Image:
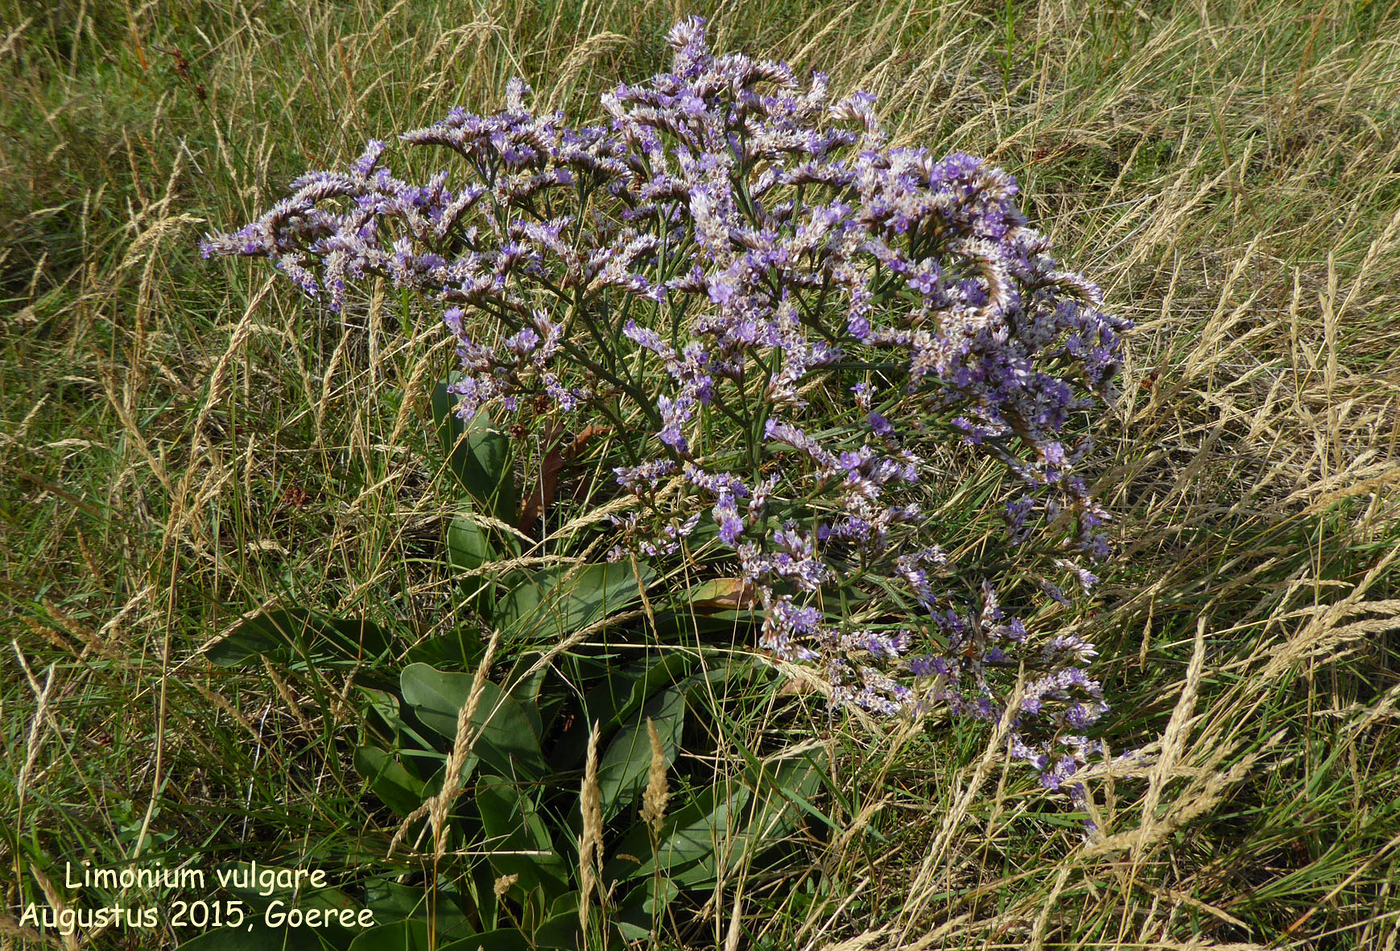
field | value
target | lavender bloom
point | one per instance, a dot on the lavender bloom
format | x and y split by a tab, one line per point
731	526
644	476
728	251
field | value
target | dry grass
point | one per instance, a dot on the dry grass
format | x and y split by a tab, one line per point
183	442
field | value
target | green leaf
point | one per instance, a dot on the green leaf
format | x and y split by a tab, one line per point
287	634
408	935
525	687
561	927
555	602
506	738
385	721
468	546
723	822
695	831
622	692
711	624
388	779
628	928
517	838
391	901
699	831
262	938
478	456
638	912
502	939
783	790
407	908
622	772
458	649
666	672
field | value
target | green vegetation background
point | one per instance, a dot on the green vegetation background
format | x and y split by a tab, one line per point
182	441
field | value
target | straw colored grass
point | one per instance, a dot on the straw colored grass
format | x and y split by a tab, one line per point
182	442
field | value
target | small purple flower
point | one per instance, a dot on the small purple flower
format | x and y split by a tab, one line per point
731	525
522	343
645	475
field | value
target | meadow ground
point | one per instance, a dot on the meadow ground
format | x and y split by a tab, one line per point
182	441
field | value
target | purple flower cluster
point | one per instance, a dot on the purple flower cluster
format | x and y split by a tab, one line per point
785	319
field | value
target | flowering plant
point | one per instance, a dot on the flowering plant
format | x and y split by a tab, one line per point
790	331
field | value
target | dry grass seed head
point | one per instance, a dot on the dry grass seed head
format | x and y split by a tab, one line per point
657	792
590	841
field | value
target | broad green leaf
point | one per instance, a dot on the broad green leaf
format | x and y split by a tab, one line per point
556	602
516	837
698	830
385	721
655	902
468	546
622	772
458	649
622	692
628	928
391	901
407	906
525	687
561	930
502	939
256	936
287	634
715	623
408	935
561	925
565	904
638	912
774	802
393	784
700	833
249	885
700	873
723	821
478	456
506	738
783	790
665	672
257	899
721	594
